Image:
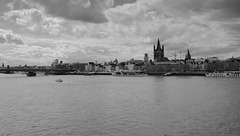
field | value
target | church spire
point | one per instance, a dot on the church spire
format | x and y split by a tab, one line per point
158	45
188	52
188	55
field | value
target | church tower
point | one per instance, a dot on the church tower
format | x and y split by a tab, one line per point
158	52
188	55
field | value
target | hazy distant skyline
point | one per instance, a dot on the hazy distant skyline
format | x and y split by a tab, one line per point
36	32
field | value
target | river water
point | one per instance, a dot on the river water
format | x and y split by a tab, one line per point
119	106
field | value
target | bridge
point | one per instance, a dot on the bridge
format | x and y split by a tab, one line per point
32	71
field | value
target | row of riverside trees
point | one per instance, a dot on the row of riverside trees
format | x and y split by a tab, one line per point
231	64
226	65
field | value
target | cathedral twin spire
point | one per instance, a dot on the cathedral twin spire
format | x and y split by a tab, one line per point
158	52
159	46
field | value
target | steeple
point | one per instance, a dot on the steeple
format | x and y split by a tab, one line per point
188	55
188	52
158	45
162	51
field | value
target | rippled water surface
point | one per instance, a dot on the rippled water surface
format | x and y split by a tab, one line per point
119	106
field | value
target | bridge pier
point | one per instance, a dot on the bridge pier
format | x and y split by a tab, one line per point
30	74
8	72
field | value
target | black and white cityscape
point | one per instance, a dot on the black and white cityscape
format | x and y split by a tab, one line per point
119	67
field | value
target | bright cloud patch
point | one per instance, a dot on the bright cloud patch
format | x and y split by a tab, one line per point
32	18
9	38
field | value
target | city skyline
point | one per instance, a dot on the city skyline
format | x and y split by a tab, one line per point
37	32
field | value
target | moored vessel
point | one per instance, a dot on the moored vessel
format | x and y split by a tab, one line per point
233	74
129	73
31	74
89	73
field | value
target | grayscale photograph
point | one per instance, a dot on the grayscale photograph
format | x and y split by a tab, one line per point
119	67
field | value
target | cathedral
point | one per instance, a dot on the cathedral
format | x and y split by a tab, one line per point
158	52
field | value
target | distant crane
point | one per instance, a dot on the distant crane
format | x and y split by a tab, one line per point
180	55
175	55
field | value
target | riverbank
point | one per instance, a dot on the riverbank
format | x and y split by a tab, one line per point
185	74
149	73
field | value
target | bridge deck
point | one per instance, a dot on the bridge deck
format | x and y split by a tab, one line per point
36	70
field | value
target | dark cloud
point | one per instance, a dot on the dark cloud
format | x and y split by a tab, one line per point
19	4
233	27
3	6
122	2
36	17
229	8
181	46
217	50
2	39
226	9
83	10
185	5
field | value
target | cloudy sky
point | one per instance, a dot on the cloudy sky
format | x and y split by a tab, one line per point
35	32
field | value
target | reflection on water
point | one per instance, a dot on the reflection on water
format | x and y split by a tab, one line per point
108	105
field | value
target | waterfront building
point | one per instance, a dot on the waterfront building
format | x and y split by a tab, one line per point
117	68
99	68
55	63
146	59
115	61
135	64
133	61
90	67
63	66
130	67
213	59
108	68
199	64
80	67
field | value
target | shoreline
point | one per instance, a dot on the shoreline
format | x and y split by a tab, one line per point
149	73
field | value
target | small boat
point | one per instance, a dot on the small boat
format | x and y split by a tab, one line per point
129	73
89	73
59	80
31	74
168	74
233	74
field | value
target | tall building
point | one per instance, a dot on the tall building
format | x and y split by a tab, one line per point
188	55
158	52
146	58
55	63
